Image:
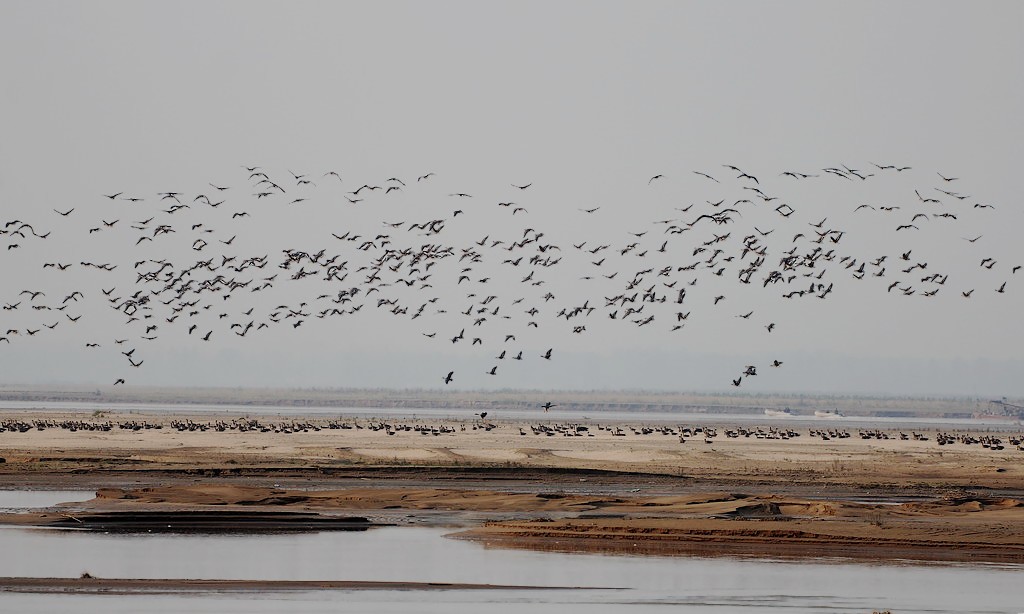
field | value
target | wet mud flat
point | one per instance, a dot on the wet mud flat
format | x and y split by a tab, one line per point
964	528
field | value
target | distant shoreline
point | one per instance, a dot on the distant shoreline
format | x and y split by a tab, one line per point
588	401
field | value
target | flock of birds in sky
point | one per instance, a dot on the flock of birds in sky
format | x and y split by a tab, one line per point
182	264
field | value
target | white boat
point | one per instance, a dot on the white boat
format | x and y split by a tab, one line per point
820	413
779	413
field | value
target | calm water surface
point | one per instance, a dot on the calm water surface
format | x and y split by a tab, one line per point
14	500
615	583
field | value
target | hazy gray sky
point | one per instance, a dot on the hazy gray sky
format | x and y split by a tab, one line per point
585	100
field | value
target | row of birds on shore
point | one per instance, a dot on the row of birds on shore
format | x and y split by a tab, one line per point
539	429
194	265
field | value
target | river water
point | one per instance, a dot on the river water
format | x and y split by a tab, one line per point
555	415
609	583
18	500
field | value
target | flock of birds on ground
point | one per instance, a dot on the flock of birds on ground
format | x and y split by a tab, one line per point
552	429
181	264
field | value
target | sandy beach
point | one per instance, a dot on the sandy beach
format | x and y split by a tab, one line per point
760	489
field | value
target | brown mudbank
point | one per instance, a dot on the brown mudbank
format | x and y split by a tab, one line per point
209	521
